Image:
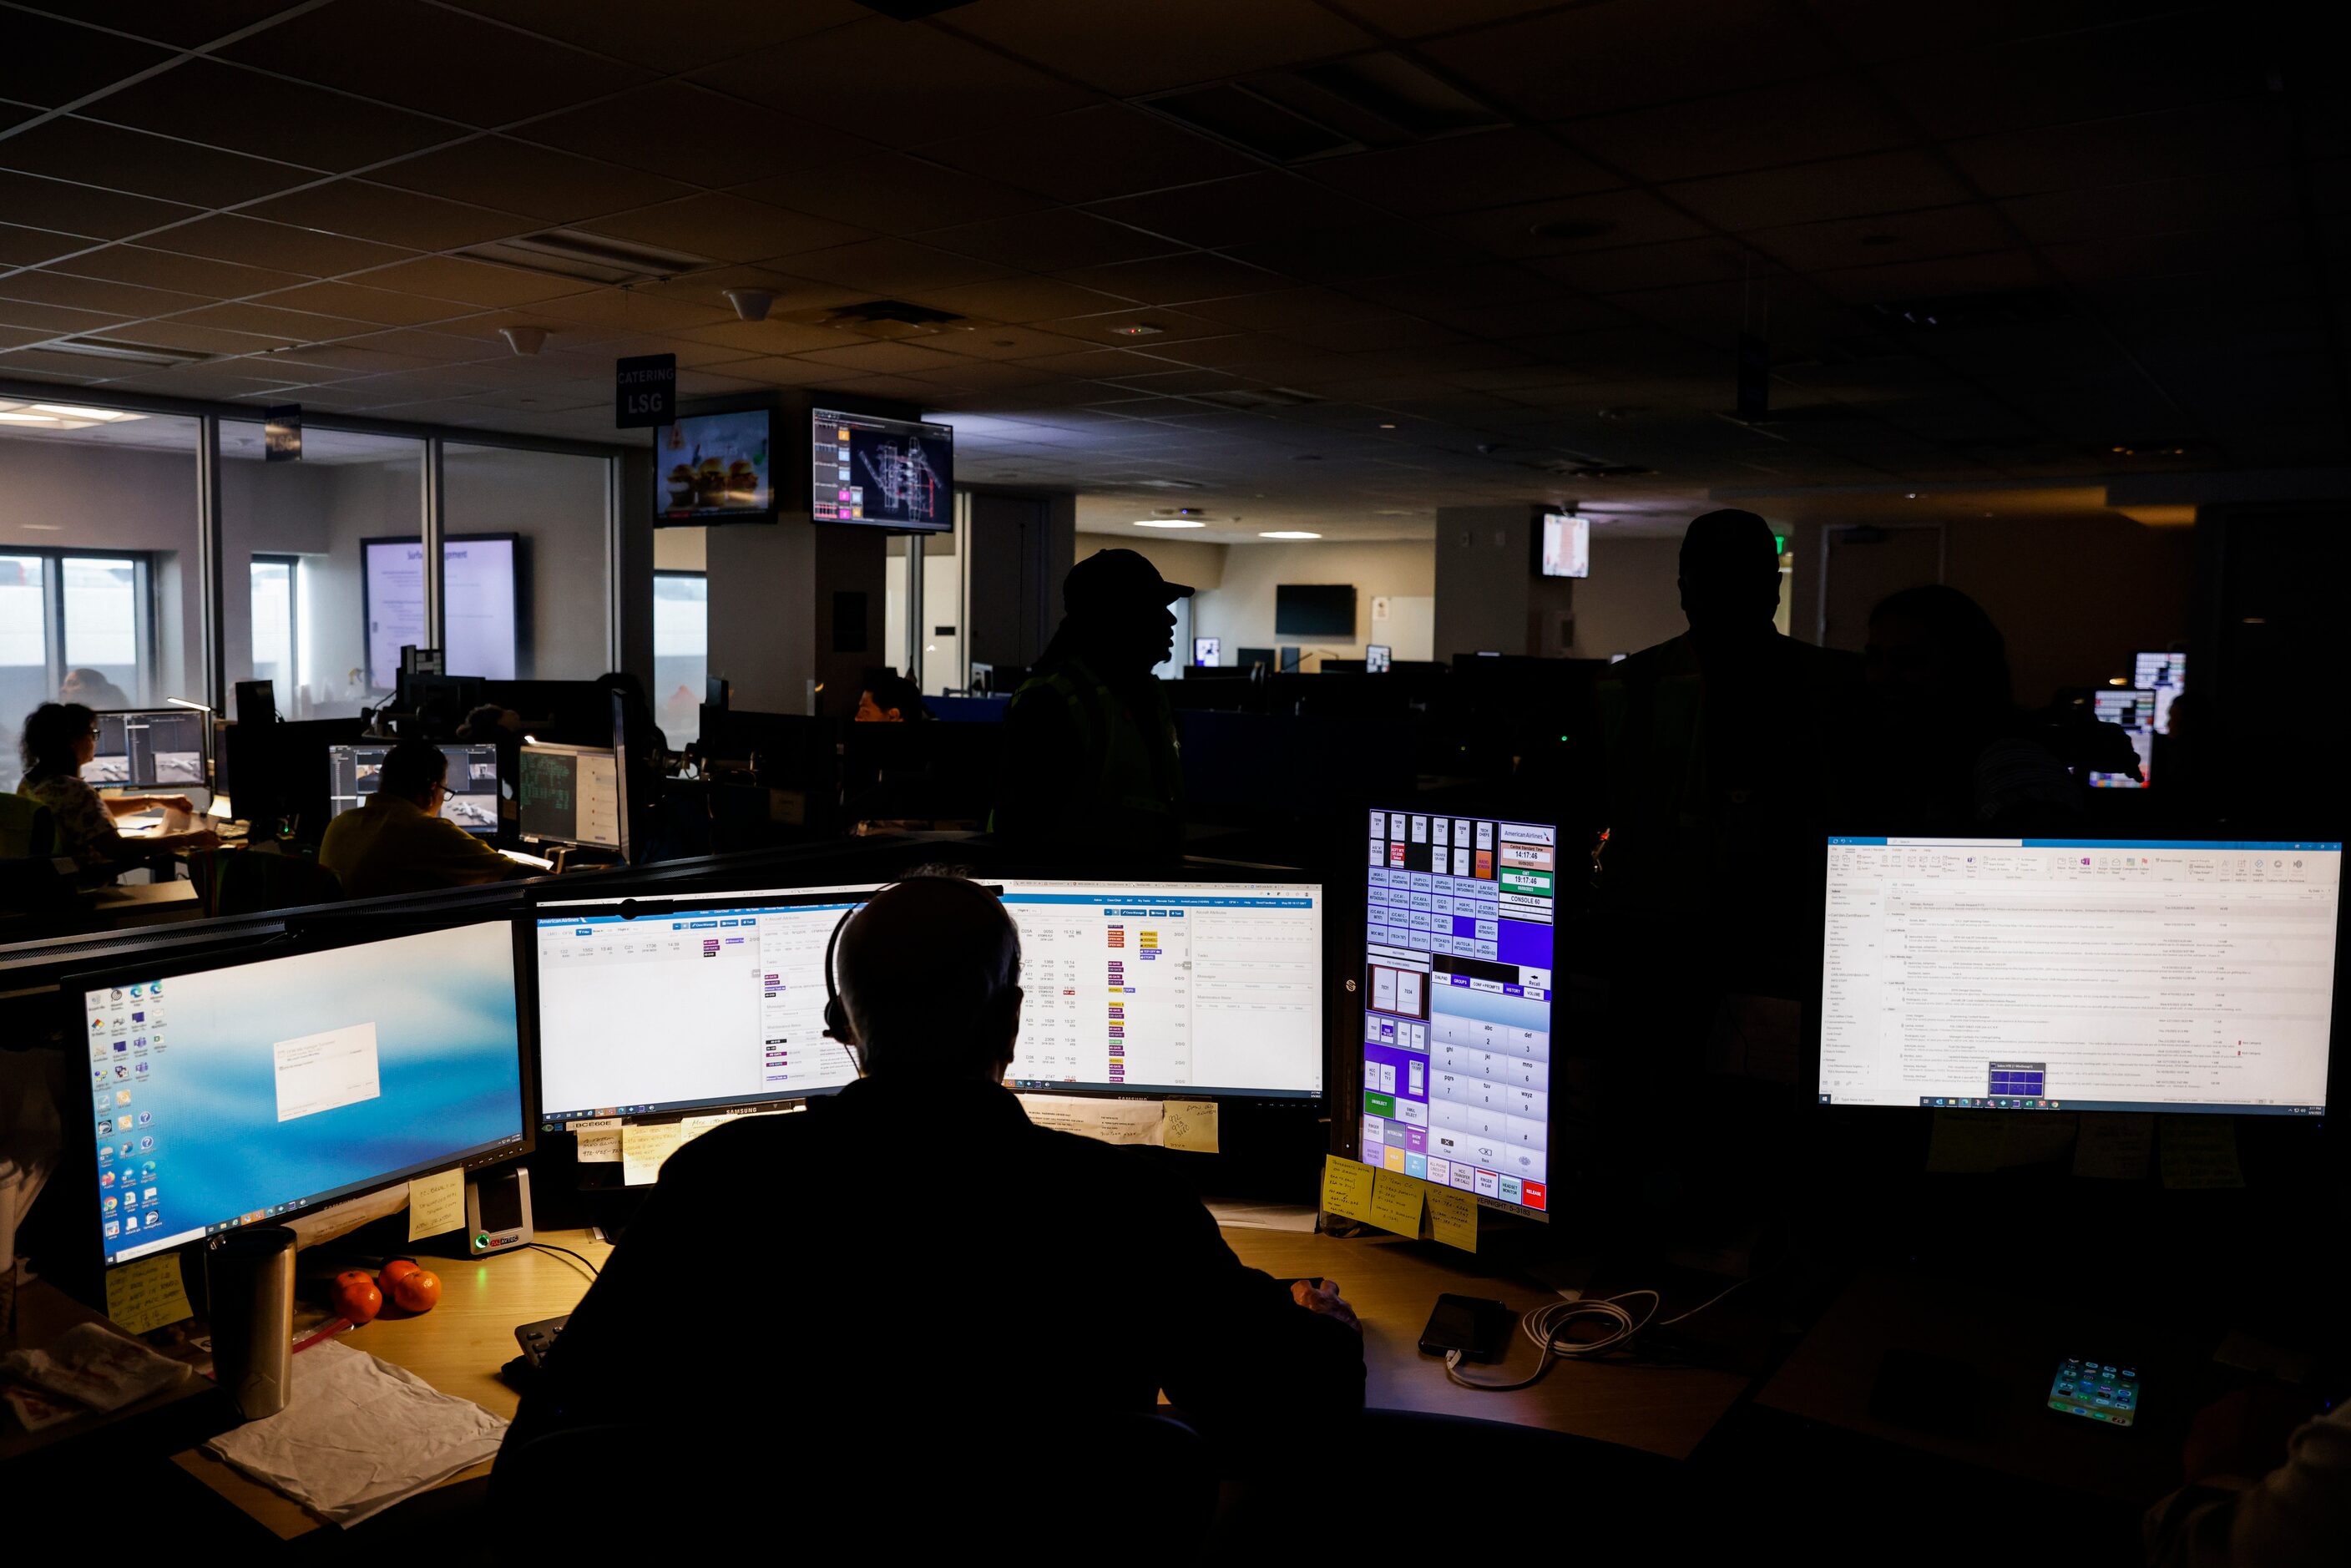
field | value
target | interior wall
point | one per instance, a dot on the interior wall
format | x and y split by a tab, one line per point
1632	600
1178	559
1237	583
559	504
1487	595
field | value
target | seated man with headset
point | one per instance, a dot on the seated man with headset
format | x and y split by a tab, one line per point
910	1293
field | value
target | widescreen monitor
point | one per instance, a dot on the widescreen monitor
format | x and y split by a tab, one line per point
2165	675
1169	988
1204	651
2079	975
893	473
481	587
1378	659
1314	609
149	748
570	795
473	799
714	469
1563	546
1457	1000
241	1089
2135	712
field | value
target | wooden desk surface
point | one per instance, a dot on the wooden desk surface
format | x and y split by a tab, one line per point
459	1346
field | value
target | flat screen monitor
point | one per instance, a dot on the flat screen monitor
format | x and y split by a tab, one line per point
149	748
473	799
1251	657
714	469
2077	975
732	986
2133	711
481	592
239	1091
894	474
1563	546
1457	1000
1204	651
1314	609
1377	659
570	795
2165	675
1174	988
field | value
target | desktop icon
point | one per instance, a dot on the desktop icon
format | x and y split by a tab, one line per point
154	1217
104	1128
122	1097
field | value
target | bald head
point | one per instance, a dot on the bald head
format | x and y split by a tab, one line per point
1730	572
930	972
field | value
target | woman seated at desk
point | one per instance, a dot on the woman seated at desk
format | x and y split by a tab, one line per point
59	738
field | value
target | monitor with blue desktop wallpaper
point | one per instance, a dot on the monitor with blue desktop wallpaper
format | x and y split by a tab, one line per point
257	1087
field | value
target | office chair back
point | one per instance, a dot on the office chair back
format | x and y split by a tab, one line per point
259	879
26	829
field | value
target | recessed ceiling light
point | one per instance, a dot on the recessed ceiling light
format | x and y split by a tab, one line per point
1288	534
43	527
1138	329
1386	426
72	411
1168	523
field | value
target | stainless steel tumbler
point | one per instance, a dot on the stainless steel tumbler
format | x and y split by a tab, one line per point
249	1278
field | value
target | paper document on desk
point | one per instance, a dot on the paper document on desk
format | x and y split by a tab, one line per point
359	1435
1112	1121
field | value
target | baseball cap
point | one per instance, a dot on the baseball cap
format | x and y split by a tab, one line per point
1112	578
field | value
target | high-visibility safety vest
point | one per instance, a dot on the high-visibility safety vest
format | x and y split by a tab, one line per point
1134	772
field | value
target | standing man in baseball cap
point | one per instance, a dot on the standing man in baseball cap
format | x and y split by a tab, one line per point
1090	771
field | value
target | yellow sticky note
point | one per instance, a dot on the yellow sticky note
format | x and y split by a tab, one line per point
600	1140
1396	1203
645	1149
1347	1188
143	1296
2200	1151
1191	1124
1969	1141
1453	1215
436	1205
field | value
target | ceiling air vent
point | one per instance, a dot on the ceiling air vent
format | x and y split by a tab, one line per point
587	257
1250	399
125	353
882	318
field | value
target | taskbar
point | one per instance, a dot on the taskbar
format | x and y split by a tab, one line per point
1153	1091
2009	1102
557	1121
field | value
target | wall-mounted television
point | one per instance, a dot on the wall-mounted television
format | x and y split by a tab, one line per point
893	473
481	590
1314	609
1563	546
714	469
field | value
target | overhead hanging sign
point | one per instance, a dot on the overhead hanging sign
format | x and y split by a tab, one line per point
281	433
645	392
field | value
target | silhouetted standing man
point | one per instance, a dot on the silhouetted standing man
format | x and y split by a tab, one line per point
1090	768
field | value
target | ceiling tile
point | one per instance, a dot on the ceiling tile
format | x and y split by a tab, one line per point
1173	279
727	228
676	130
358	210
2086	75
1000	341
1134	49
515	176
906	388
770	339
631	311
1353	251
268	116
29	247
83	209
1965	230
881	359
1048	240
49	61
434	60
888	192
1418	18
281	326
1997	272
1654	53
2195	138
335	361
884	266
1786	123
1175	326
777	370
55	320
1492	169
198	337
689	33
2155	206
72	369
115	159
1287	307
469	282
357	302
1606	219
1018	299
938	84
1089	155
181	24
97	294
1838	188
1248	207
188	274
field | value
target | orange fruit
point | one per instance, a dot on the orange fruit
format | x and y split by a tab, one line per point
356	1300
417	1291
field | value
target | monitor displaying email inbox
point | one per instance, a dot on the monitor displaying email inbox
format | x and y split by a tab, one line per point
2065	975
254	1088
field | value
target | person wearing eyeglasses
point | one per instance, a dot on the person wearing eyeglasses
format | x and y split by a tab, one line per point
400	843
59	741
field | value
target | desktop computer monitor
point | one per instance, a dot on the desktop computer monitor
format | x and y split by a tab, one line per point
570	795
1378	659
149	748
2079	975
2165	675
1178	988
231	1090
2135	711
473	799
1205	650
1457	999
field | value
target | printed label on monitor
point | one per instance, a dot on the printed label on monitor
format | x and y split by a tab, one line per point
322	1071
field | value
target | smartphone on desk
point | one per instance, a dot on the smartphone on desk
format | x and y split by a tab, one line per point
1477	1328
2095	1390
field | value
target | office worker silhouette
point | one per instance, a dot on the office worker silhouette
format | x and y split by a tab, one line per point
1090	766
911	1299
398	842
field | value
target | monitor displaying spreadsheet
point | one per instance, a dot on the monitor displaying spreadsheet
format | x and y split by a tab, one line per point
1169	988
1457	996
2040	974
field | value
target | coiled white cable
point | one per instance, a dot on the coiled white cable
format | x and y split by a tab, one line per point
1546	1326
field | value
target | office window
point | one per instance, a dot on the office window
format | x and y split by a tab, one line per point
544	599
681	652
27	669
272	580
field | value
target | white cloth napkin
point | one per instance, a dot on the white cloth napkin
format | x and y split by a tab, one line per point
358	1435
